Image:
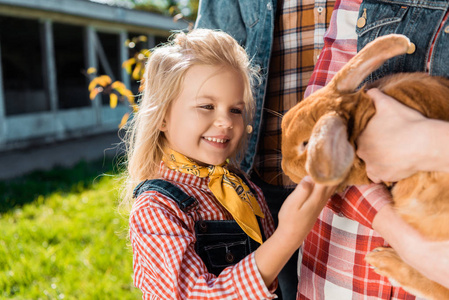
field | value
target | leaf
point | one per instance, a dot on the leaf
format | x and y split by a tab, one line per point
142	38
104	80
91	70
94	93
93	84
136	73
143	55
118	85
113	100
142	85
128	94
124	120
127	64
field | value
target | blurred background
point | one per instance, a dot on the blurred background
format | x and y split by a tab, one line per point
70	73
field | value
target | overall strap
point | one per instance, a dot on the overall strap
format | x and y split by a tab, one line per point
185	202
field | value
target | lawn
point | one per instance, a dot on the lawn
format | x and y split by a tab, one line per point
62	236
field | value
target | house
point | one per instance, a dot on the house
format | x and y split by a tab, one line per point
46	46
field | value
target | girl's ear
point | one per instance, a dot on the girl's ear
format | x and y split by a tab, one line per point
163	126
329	154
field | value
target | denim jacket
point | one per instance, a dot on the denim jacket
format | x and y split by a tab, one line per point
251	23
419	20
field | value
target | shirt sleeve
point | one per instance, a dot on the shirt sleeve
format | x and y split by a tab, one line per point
360	203
166	265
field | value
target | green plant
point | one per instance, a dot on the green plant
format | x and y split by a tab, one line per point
69	241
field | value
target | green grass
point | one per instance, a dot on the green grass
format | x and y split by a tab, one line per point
62	237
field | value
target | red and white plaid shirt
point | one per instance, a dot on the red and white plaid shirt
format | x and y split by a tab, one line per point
333	265
166	265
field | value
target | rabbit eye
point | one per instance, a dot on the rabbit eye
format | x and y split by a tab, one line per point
303	147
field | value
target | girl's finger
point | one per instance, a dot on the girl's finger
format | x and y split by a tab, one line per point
302	191
322	193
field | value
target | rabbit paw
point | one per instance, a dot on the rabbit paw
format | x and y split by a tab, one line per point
386	262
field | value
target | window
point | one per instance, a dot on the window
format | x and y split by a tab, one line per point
109	58
70	66
22	66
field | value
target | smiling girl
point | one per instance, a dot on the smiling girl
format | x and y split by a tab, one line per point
198	227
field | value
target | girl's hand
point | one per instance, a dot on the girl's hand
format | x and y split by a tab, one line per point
392	143
300	210
296	218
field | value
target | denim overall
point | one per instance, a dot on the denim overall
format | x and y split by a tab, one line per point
220	244
419	20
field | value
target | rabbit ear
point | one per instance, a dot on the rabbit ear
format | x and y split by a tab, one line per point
369	59
329	154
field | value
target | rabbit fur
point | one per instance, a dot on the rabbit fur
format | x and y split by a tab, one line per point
319	134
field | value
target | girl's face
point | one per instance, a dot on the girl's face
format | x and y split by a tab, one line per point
205	122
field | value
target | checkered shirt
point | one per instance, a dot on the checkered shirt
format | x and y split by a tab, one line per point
297	41
166	265
333	265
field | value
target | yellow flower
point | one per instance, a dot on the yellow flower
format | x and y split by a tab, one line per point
116	90
91	70
138	61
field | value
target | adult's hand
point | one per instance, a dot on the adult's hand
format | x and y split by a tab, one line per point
392	143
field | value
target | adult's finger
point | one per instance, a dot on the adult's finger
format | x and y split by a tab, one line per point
379	98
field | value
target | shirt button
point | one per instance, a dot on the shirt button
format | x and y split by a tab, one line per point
320	9
361	22
269	6
446	29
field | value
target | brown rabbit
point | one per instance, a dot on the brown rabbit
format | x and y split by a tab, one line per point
319	134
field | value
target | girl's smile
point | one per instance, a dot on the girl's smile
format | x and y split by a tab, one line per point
217	141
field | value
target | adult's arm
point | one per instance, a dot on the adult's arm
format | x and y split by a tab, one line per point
428	257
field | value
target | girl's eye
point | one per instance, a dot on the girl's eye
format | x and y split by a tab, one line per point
236	111
207	106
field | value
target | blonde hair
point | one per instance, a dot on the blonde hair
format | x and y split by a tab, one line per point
164	75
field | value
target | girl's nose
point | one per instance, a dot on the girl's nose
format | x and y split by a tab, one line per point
224	122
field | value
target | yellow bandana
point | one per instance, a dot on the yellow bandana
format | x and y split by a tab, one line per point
228	188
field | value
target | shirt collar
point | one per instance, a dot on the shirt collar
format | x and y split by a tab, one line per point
183	178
